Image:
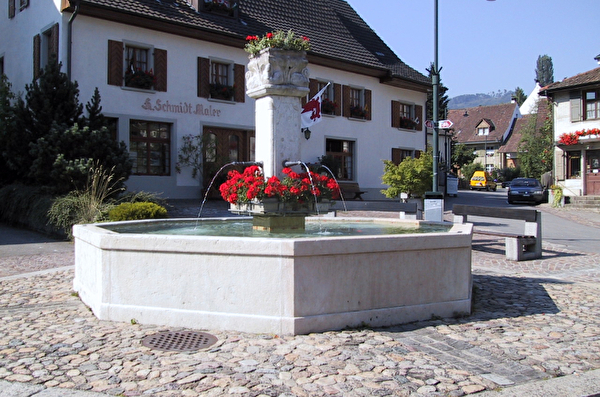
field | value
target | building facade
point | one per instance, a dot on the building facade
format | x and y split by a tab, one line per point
486	129
576	109
171	69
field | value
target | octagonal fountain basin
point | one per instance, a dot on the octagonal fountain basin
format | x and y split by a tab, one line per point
219	275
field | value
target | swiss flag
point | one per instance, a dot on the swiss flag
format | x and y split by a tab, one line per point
311	112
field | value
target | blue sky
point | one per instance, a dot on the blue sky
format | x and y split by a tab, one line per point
485	46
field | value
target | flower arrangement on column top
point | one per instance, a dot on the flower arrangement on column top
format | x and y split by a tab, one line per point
572	138
277	39
295	187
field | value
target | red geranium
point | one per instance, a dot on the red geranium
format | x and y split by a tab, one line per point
572	138
295	187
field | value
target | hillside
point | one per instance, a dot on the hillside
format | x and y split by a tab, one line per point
473	100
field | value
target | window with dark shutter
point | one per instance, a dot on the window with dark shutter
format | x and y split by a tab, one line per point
407	116
115	63
239	86
222	80
419	117
337	95
356	103
395	114
23	4
203	77
11	8
37	49
160	70
137	66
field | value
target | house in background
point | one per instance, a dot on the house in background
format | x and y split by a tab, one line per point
173	68
576	102
536	112
486	129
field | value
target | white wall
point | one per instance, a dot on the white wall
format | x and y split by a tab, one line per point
16	43
374	139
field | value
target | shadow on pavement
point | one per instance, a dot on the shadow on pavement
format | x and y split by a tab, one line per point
497	297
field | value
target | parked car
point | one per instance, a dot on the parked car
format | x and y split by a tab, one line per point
482	180
525	189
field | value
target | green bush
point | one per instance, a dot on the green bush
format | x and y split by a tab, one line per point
135	211
412	176
468	170
27	206
86	206
508	174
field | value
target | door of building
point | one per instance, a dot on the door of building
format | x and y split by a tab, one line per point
223	146
592	173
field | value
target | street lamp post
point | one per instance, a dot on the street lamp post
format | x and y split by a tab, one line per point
435	77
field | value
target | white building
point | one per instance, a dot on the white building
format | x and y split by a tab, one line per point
190	47
576	111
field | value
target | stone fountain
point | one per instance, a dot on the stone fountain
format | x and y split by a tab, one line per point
273	284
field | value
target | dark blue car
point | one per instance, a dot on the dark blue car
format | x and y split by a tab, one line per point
525	189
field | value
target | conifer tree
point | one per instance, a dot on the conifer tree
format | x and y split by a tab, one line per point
7	124
95	120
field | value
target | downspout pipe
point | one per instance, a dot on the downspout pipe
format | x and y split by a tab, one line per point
70	36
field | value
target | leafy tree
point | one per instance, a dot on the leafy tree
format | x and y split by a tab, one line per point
544	71
519	96
442	102
468	170
412	176
535	147
461	156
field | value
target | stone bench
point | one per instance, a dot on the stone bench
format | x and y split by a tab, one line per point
404	210
518	247
351	190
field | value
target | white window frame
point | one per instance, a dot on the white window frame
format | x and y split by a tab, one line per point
483	131
148	47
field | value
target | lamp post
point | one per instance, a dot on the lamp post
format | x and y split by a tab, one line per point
435	79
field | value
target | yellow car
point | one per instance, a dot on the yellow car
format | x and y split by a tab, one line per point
482	180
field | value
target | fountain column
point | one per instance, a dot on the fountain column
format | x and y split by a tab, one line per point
277	79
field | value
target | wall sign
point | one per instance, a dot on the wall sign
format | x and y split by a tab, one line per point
181	108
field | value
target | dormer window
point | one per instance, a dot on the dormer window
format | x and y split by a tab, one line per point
483	131
222	7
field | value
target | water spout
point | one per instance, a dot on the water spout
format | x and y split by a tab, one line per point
287	163
233	163
336	182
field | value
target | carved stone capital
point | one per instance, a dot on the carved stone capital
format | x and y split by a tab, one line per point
277	72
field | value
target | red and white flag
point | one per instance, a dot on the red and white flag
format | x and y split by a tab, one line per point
311	112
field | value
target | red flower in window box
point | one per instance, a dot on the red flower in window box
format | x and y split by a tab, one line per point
572	138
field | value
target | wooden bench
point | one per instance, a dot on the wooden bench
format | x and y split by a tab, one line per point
518	247
351	189
404	210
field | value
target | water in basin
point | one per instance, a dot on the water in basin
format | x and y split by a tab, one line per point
242	227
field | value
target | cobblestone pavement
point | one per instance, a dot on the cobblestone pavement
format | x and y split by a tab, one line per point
531	320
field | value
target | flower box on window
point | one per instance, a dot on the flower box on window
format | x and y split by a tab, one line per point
407	123
143	79
358	112
328	106
221	91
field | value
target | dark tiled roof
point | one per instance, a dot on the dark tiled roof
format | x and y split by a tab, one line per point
335	30
543	112
465	127
587	78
